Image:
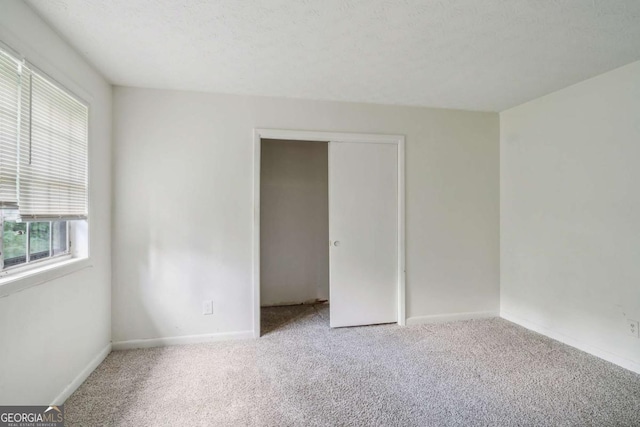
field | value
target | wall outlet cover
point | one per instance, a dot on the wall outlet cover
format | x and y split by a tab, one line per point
207	307
633	328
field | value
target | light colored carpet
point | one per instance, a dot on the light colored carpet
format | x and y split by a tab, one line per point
301	373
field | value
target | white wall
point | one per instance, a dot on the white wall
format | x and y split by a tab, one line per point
294	217
51	332
183	205
570	214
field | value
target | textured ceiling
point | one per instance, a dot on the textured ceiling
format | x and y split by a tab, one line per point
465	54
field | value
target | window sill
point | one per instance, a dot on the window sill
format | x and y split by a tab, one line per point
33	277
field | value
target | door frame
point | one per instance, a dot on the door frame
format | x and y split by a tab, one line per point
320	136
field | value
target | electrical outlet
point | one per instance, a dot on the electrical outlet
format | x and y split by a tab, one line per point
633	327
207	307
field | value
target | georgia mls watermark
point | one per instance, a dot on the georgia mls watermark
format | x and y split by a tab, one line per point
31	416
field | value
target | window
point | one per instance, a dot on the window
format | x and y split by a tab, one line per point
28	242
43	165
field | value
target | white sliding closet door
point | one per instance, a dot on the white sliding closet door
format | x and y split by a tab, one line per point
363	232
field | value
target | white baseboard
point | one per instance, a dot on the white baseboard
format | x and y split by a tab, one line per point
580	345
79	379
185	339
451	317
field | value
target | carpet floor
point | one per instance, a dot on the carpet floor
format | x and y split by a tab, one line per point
302	373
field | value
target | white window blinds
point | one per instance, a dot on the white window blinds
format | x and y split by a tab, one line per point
9	122
53	165
50	149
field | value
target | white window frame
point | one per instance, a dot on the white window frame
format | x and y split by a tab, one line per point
24	276
28	264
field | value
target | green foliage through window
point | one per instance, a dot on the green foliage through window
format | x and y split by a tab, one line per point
14	243
45	239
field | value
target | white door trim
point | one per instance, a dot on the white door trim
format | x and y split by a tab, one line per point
315	136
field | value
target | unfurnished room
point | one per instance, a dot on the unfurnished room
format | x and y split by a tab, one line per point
319	213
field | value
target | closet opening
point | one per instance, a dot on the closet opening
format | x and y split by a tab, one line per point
328	234
294	233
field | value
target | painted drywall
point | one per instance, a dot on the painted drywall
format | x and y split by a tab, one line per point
294	222
570	209
183	209
51	332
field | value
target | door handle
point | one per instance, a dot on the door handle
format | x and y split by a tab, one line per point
336	243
